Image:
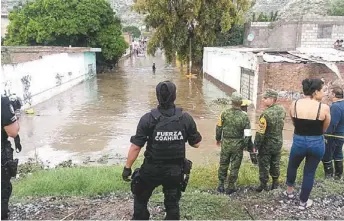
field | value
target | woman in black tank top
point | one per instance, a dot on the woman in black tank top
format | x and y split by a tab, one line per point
308	140
307	127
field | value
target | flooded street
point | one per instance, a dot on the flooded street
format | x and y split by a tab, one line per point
98	117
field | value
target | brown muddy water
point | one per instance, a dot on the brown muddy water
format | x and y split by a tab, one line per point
98	117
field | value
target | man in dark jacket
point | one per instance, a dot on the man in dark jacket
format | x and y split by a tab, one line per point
166	129
334	134
9	128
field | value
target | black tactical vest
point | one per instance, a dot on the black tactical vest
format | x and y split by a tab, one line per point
168	138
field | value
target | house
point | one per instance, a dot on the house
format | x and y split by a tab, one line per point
278	56
307	32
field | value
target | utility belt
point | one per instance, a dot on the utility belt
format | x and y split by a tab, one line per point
149	160
9	166
137	185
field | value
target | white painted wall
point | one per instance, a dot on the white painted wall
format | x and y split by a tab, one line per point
46	77
4	23
225	65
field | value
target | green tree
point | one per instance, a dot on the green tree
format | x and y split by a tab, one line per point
176	21
80	23
336	8
133	30
234	36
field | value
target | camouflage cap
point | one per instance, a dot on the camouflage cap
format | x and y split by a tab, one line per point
270	93
236	97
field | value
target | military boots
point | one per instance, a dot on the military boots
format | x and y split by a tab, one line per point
328	169
221	187
338	166
274	184
262	187
230	191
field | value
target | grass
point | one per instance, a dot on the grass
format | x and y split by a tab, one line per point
198	202
198	205
204	177
89	181
72	181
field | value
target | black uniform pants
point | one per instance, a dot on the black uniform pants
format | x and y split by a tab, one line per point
333	150
152	176
6	186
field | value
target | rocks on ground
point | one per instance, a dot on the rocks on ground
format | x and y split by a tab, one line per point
265	205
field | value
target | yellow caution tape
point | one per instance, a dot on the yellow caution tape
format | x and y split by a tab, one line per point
326	135
336	136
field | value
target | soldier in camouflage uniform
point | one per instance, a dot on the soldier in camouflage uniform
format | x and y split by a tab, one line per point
269	140
233	132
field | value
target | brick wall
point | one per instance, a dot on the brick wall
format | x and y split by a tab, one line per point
286	78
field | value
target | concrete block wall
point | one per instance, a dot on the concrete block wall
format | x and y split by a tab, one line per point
309	36
295	33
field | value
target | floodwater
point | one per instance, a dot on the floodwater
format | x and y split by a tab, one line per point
96	119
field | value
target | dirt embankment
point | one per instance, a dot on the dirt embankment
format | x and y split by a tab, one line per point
267	205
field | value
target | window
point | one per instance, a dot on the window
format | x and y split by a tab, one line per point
324	31
247	83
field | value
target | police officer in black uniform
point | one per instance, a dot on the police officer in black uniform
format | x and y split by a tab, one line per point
9	128
166	130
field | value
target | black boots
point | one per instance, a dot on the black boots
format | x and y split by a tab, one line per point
230	191
262	187
221	187
274	184
266	188
328	169
338	168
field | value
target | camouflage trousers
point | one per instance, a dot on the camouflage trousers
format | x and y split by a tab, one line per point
269	163
233	157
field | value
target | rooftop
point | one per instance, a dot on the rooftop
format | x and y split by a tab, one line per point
297	55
